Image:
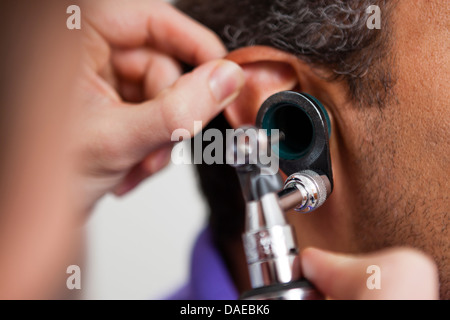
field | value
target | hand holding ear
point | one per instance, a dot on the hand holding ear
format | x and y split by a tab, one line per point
132	94
397	273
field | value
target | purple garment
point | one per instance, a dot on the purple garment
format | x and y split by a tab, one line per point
209	278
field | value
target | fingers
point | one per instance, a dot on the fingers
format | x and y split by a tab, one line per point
152	164
197	96
177	34
142	45
403	274
146	70
162	73
156	24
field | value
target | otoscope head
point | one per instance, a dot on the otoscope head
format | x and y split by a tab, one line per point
305	127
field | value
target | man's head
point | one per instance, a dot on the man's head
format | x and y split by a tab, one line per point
387	92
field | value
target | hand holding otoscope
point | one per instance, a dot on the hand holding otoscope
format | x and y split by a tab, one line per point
302	146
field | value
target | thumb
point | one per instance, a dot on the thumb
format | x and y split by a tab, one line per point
197	96
397	273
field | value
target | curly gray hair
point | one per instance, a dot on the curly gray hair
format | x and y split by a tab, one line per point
331	35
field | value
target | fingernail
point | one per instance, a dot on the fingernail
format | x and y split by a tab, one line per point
226	81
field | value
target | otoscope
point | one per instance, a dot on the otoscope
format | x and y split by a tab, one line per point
302	147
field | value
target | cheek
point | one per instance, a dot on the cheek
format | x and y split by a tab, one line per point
423	87
422	120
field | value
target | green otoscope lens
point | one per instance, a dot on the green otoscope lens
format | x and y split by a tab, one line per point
296	125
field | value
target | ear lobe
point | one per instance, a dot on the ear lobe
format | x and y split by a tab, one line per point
266	73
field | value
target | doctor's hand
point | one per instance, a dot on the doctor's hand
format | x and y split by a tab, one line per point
391	274
131	92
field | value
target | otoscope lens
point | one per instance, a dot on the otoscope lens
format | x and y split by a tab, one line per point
295	126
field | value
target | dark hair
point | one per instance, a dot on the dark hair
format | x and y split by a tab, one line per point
330	35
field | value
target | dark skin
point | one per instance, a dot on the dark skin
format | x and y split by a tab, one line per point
390	165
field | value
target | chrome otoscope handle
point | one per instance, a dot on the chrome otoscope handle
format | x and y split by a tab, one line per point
302	131
269	241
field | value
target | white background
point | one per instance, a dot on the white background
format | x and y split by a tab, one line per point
139	247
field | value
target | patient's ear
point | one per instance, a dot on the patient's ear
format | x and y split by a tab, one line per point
267	72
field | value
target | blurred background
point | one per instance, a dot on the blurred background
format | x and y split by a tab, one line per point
138	247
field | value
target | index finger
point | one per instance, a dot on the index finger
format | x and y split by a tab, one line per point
157	24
